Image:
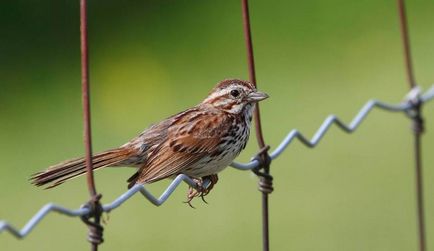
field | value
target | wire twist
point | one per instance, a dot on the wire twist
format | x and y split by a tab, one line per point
265	183
415	112
92	220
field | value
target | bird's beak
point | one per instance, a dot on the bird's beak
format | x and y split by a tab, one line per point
256	96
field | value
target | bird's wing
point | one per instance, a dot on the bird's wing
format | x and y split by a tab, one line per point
190	137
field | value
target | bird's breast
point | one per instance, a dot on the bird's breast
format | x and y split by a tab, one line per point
231	144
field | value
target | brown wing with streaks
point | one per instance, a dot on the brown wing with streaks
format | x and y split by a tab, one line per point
191	136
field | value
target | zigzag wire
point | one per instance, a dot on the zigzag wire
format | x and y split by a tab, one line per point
50	207
333	119
329	121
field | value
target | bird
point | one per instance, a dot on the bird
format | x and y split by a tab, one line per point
199	142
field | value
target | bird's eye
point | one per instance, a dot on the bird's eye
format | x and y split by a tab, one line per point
235	93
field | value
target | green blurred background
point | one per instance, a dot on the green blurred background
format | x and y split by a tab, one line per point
150	59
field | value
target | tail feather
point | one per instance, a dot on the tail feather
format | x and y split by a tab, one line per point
132	180
59	173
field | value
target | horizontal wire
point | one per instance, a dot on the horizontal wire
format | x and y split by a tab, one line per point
157	202
4	226
48	208
413	95
333	119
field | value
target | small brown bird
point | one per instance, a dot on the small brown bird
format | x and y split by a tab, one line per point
198	142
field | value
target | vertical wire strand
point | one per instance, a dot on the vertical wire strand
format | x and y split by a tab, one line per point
251	65
258	126
406	43
95	229
417	126
86	97
419	191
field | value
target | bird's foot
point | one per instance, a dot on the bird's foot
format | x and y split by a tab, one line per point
200	190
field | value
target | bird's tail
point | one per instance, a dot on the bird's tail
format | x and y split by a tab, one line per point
57	174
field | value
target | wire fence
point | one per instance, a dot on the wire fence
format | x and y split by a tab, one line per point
90	213
405	107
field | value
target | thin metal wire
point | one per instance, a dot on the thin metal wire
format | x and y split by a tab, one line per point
265	179
333	119
31	224
419	189
417	125
406	43
251	67
86	97
95	228
404	107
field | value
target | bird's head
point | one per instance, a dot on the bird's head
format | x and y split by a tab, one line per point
234	96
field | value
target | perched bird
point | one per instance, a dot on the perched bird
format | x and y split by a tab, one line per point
198	142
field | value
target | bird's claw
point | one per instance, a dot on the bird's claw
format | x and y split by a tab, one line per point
200	190
197	191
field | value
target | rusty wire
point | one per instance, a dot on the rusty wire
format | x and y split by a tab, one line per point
263	170
418	126
86	97
406	43
92	219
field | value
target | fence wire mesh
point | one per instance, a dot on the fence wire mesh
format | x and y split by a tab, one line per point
404	107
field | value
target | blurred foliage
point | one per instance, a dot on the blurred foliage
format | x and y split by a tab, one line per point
150	59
